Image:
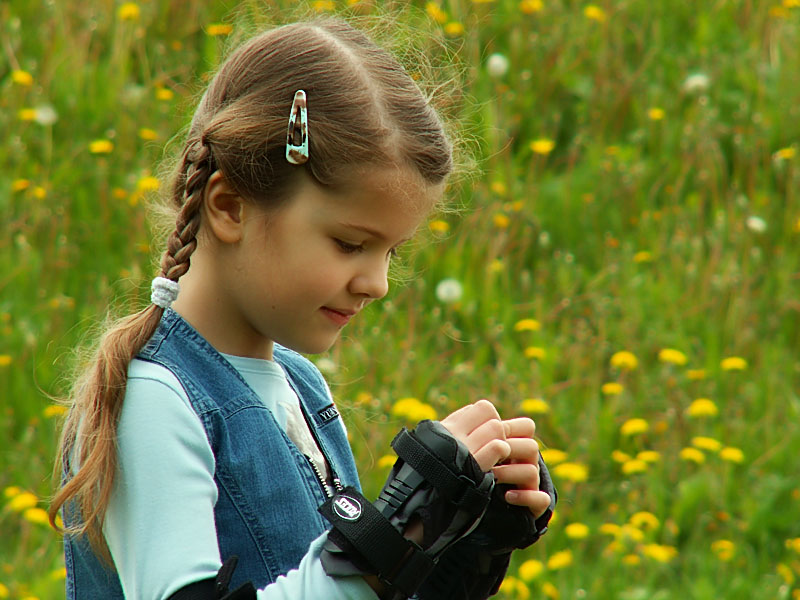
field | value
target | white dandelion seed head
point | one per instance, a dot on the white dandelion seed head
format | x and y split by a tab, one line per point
756	224
46	115
497	65
696	83
449	291
326	365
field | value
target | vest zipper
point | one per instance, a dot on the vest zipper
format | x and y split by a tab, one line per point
337	484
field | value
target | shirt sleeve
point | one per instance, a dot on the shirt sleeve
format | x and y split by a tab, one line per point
159	524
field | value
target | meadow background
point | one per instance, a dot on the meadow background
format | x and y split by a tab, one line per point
624	266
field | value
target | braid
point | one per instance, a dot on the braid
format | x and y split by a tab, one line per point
182	241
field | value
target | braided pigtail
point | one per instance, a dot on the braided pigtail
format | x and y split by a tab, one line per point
88	440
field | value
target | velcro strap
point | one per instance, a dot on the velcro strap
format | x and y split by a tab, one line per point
398	561
460	489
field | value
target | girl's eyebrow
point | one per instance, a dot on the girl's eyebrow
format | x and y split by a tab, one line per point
370	231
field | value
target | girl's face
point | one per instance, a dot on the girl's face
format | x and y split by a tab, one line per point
302	271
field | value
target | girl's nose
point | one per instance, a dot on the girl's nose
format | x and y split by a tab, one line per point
372	281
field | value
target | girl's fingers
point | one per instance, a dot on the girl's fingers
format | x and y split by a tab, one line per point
522	475
520	427
468	418
490	454
535	500
523	450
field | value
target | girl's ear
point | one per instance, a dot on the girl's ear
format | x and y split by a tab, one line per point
224	209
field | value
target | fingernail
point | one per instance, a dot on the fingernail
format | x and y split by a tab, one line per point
512	496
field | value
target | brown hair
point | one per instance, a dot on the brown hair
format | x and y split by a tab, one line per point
363	109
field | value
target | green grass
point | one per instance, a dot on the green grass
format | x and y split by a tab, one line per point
634	233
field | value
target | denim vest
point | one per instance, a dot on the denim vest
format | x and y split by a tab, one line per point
266	511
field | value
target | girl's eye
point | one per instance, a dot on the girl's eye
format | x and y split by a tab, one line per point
348	248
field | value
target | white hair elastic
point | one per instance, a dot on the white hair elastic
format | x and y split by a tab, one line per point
163	291
297	135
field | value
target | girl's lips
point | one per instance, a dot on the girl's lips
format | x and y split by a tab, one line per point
338	317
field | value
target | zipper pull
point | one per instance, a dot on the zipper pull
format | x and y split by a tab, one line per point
338	484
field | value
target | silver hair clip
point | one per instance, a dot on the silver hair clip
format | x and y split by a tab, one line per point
297	136
163	292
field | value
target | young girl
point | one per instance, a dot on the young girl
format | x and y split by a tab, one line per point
199	433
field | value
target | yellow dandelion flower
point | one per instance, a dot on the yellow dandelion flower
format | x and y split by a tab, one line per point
387	460
724	549
12	491
791	3
786	573
501	221
4	593
577	531
620	457
531	6
60	573
496	266
571	471
165	94
27	114
559	560
530	569
785	153
692	455
527	325
499	188
644	520
22	78
696	374
655	114
436	13
731	454
706	443
514	588
129	11
542	146
660	552
634	466
148	134
535	352
22	501
733	363
101	147
612	388
672	356
454	29
439	226
413	410
624	360
553	456
55	410
5	360
517	205
702	407
649	456
551	591
19	185
36	515
630	532
594	13
634	427
631	560
39	192
793	544
535	406
779	12
148	184
216	30
610	529
643	256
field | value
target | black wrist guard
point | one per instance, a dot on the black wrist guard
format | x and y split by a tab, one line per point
217	589
436	481
474	568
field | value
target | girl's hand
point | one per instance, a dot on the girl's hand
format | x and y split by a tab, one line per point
479	427
521	467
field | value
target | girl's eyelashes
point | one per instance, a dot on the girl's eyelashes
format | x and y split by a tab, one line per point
348	248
